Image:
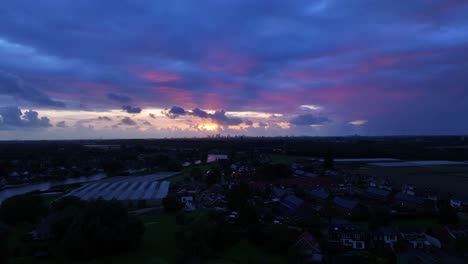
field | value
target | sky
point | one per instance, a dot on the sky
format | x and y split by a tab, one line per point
157	69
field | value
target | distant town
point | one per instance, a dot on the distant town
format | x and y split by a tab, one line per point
235	200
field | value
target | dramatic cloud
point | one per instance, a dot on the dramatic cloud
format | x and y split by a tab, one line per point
119	98
200	113
128	121
131	110
12	85
12	117
308	120
401	66
248	122
175	112
218	117
61	124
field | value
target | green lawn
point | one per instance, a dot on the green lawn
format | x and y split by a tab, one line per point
416	222
285	159
159	246
247	252
186	171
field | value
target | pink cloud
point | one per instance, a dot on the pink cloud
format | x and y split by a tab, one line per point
175	96
159	76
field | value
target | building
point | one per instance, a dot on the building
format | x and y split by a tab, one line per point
459	202
347	235
415	237
319	194
126	189
345	205
376	194
408	202
307	249
292	202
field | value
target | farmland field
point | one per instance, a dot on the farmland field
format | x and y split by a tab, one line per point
450	178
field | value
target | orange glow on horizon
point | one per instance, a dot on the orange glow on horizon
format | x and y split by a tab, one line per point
208	126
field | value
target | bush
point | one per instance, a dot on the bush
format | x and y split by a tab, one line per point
97	229
172	204
25	208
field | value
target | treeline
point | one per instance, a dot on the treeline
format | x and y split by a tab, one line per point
69	227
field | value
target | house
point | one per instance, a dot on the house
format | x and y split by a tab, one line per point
187	201
319	194
408	189
457	231
414	236
347	235
385	238
292	202
307	249
376	194
408	202
380	184
310	174
459	202
278	192
346	205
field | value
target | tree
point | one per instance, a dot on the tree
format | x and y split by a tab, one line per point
99	228
196	173
447	215
4	251
279	237
172	203
273	172
328	161
25	208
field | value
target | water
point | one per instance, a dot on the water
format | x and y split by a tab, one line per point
43	186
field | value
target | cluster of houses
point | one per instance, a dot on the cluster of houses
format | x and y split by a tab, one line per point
343	205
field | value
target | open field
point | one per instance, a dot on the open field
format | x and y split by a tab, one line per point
449	178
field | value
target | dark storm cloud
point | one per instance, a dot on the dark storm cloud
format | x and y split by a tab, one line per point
12	85
13	118
152	115
221	118
308	119
175	112
127	121
131	110
357	59
119	98
199	113
218	117
248	122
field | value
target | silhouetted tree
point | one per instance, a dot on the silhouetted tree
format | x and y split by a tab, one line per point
97	229
172	204
22	208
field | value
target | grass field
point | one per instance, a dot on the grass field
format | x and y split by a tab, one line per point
186	171
246	252
285	159
450	178
158	246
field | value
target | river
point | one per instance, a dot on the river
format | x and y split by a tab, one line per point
43	186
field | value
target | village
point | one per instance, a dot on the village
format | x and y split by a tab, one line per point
335	216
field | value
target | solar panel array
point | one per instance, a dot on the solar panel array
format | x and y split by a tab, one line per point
123	190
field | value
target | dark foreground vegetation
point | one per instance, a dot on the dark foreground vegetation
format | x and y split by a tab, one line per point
266	200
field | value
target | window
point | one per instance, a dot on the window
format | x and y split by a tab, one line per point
359	245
